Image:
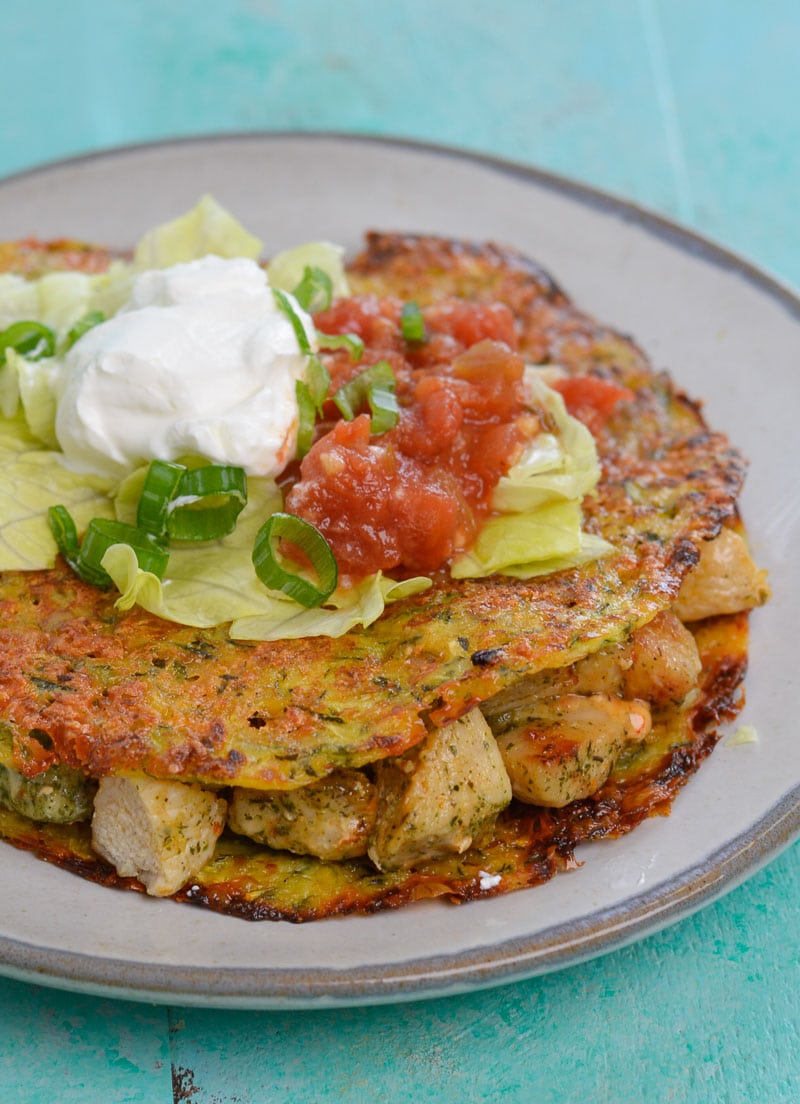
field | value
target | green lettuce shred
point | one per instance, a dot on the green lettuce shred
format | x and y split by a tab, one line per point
207	228
537	525
285	270
33	480
535	528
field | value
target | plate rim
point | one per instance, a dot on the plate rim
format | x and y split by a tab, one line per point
519	958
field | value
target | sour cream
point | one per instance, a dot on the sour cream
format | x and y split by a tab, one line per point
200	361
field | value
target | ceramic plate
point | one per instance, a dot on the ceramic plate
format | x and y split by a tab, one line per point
727	332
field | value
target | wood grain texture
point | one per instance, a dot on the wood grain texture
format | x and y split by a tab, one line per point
688	108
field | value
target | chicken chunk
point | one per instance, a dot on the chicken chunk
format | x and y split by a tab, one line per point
567	751
724	580
438	798
159	832
331	819
658	664
664	661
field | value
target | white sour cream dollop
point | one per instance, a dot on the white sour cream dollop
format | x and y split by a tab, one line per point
200	361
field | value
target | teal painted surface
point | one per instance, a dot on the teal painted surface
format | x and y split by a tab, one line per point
687	107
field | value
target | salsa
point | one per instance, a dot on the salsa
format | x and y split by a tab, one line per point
412	498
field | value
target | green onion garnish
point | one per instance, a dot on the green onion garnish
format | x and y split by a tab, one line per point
318	380
315	291
283	301
412	324
29	339
311	395
160	487
207	504
82	326
307	416
272	572
197	504
342	341
64	532
374	386
86	559
385	411
102	533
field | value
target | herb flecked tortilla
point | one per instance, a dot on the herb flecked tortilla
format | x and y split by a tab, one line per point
107	692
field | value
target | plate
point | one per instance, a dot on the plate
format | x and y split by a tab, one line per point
726	331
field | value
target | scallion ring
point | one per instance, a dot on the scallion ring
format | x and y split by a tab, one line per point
207	503
311	394
64	532
315	291
161	486
30	339
285	304
306	418
412	324
270	566
102	533
351	342
385	411
374	387
82	326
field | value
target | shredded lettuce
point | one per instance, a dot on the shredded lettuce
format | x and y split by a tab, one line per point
537	525
33	480
535	528
215	582
360	605
34	384
286	269
207	228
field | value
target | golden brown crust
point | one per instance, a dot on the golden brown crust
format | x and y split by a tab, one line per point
83	684
528	847
115	691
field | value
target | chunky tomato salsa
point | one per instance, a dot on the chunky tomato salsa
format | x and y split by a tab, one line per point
414	497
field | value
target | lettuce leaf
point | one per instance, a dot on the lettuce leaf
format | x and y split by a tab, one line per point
360	605
537	526
207	228
59	299
286	269
213	583
35	387
33	480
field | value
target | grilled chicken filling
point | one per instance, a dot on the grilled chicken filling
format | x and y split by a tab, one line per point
550	739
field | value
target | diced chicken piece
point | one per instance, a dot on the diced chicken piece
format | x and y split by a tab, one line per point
566	753
438	798
660	663
159	832
331	819
664	661
724	580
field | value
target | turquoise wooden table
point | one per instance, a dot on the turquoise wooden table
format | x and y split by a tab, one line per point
690	108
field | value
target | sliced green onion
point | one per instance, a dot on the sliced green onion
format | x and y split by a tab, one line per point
82	326
283	301
99	537
352	342
277	575
318	380
311	395
86	559
30	339
315	291
385	411
412	324
307	416
374	386
64	532
207	504
160	487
